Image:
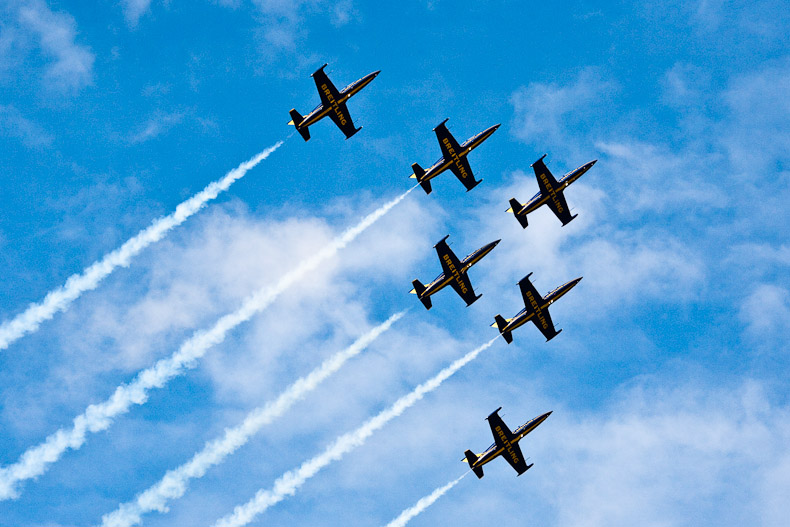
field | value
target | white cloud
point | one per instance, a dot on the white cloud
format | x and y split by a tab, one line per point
548	113
56	32
160	123
766	311
133	10
14	124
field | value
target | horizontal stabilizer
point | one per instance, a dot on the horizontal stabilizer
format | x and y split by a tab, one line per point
426	186
471	458
419	172
501	323
419	289
296	120
515	207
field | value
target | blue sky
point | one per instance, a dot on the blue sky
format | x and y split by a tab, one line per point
668	383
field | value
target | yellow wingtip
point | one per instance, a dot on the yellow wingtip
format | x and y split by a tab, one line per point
413	292
291	122
509	210
412	177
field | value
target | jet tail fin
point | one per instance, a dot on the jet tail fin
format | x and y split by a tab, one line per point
296	120
567	222
471	458
501	323
515	207
419	289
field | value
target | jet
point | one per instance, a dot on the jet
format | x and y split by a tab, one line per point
536	309
453	157
454	274
551	193
333	104
505	444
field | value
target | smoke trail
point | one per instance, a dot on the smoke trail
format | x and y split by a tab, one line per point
174	483
60	298
289	483
98	417
423	504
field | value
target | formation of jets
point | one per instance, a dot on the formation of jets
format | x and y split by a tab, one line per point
455	271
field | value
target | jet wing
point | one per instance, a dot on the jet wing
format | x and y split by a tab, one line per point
532	298
326	90
342	119
451	151
532	301
549	187
503	438
543	322
452	267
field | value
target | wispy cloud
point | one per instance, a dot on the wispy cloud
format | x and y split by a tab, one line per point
547	113
14	124
98	417
56	32
157	125
60	298
133	10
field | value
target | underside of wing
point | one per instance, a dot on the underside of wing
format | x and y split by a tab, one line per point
340	116
463	172
463	287
450	263
559	207
452	152
326	90
542	321
503	438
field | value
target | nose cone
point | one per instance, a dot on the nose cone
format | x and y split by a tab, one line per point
375	74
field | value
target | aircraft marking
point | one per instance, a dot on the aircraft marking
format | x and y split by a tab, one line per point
538	310
456	274
507	444
333	102
456	159
552	192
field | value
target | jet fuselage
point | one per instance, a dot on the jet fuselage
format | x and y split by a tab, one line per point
538	305
443	163
540	199
321	111
442	281
493	451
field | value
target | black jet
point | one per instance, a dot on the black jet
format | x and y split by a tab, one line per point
551	193
453	157
505	444
536	309
454	274
333	104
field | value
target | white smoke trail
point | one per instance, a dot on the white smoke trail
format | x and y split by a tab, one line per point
98	417
289	483
60	298
174	483
423	504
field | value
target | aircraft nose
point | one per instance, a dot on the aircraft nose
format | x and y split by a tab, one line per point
495	243
496	126
376	72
